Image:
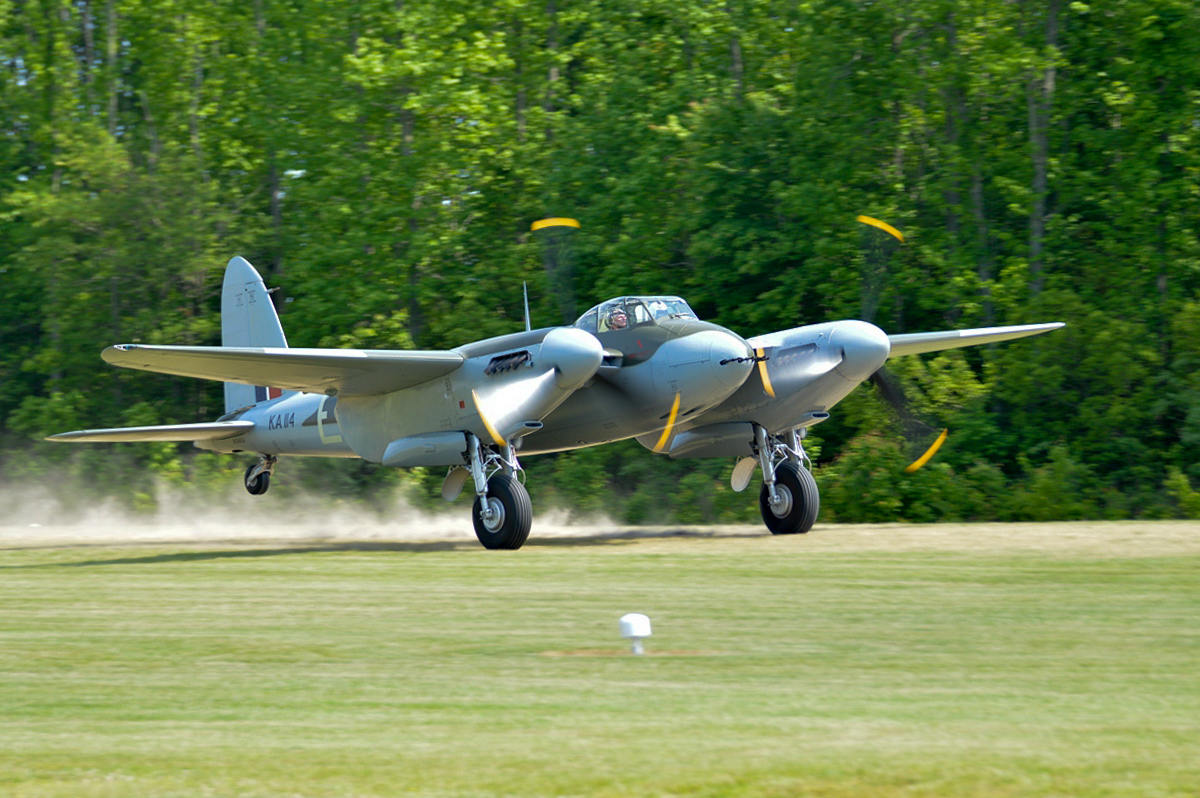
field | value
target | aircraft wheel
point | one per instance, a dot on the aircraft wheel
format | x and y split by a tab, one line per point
259	484
797	512
508	525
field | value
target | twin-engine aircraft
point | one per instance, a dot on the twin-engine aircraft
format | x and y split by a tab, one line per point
643	367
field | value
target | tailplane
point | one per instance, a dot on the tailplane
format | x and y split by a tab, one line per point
248	319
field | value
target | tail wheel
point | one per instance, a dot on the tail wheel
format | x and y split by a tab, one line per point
259	484
798	505
507	524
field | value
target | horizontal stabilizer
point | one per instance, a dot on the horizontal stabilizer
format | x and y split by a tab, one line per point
349	372
917	343
212	431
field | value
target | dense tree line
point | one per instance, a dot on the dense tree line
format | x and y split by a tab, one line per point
381	163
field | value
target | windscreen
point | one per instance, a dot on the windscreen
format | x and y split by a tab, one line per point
633	311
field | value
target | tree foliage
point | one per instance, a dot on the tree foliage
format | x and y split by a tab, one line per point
381	164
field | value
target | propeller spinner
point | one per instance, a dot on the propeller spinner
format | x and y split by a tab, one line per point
514	406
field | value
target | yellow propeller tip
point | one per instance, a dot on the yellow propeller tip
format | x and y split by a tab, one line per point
666	435
925	458
486	423
884	226
556	222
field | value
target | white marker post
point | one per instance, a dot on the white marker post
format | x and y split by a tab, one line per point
635	626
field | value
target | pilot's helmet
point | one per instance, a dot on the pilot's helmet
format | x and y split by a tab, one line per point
617	320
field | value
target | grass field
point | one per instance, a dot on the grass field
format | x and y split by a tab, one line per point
1025	660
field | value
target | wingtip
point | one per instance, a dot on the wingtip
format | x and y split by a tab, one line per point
113	353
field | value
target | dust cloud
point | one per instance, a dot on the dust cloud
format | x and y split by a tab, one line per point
36	516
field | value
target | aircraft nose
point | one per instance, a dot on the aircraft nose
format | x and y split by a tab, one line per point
574	354
730	357
864	347
703	367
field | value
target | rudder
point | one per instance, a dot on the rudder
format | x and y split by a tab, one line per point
248	319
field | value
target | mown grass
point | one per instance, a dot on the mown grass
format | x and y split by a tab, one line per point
776	669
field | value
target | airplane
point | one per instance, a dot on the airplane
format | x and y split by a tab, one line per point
640	366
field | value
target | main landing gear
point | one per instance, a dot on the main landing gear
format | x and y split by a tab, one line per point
502	512
789	501
258	476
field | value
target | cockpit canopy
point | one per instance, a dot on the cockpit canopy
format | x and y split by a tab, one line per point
633	311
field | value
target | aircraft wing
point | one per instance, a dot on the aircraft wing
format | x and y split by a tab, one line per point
348	371
917	343
171	432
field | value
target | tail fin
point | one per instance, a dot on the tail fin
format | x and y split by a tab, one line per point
248	319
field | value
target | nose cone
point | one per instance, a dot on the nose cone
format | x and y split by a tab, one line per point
704	367
574	354
729	357
864	348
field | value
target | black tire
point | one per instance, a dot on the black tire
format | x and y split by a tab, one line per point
511	499
257	486
801	503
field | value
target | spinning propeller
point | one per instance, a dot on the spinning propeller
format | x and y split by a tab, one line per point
510	407
879	244
555	236
524	386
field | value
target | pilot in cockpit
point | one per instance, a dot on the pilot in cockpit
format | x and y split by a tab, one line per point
617	320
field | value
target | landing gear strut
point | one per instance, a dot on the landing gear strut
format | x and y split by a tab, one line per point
258	476
789	501
502	512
